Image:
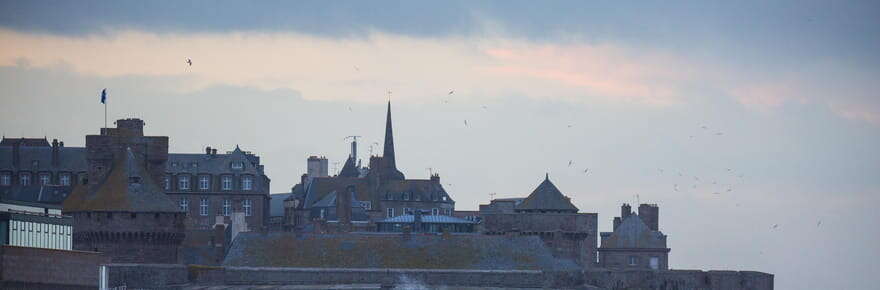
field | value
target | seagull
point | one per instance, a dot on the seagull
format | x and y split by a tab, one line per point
775	226
465	123
569	163
661	170
357	68
485	108
704	127
569	125
719	133
189	61
818	223
349	109
675	187
585	170
716	192
451	92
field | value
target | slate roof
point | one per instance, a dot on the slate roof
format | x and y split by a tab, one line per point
212	164
349	169
383	250
546	197
116	193
71	159
634	233
429	219
44	194
24	141
421	187
320	187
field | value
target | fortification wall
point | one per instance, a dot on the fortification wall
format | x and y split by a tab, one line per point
162	276
679	280
36	268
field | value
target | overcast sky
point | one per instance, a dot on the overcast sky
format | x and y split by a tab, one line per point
733	117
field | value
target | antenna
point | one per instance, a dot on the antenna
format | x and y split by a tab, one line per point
430	171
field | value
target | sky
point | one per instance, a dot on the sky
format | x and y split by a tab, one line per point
754	125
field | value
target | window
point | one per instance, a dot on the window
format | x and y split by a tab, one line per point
203	207
65	179
227	207
183	182
5	180
448	211
246	205
435	211
237	165
654	263
406	196
167	182
388	196
227	182
367	205
407	210
184	205
247	183
389	212
633	260
25	179
204	182
44	179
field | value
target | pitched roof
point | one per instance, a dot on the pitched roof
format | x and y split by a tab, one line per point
634	233
320	187
349	169
116	192
546	197
71	159
44	194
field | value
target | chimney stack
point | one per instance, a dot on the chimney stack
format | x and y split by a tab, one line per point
625	211
208	150
55	153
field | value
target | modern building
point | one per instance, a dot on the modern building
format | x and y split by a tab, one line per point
424	222
36	225
121	210
381	189
636	242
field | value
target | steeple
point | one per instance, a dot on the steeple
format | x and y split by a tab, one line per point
387	166
388	151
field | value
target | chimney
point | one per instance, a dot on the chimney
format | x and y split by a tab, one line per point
649	213
343	206
354	149
435	177
55	155
208	150
616	223
625	211
213	151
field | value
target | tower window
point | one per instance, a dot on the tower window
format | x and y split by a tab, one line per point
247	206
227	207
204	182
65	179
203	207
227	182
44	179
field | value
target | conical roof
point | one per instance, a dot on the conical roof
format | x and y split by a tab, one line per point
546	197
128	187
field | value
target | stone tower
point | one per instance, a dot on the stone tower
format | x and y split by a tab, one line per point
121	210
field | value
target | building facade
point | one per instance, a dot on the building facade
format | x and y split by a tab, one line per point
204	185
380	189
636	242
35	225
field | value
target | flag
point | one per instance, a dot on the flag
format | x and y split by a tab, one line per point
104	96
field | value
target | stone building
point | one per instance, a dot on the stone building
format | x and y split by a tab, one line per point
636	242
381	189
204	185
120	209
550	215
210	185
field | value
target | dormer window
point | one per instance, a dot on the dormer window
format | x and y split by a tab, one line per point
237	165
174	164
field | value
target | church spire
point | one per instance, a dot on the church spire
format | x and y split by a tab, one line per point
388	151
389	165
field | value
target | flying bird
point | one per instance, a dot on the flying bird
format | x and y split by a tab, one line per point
569	163
775	226
818	223
465	123
585	170
675	187
357	68
704	127
485	108
189	61
719	133
451	92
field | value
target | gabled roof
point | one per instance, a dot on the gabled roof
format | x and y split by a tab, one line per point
423	188
320	187
43	194
634	233
546	197
117	193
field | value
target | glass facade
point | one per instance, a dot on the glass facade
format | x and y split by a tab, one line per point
37	235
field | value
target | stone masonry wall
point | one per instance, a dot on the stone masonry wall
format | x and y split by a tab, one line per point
31	268
679	280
